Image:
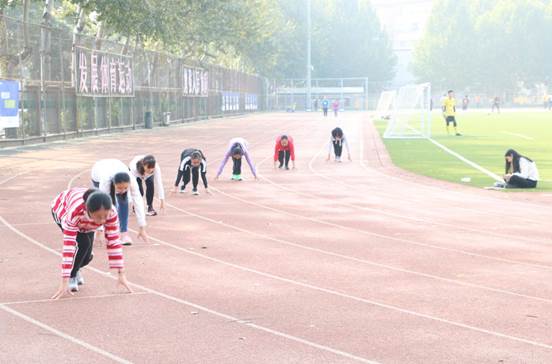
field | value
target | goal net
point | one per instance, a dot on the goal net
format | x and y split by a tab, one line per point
385	104
411	115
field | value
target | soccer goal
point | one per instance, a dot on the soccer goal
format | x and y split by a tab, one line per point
385	104
411	115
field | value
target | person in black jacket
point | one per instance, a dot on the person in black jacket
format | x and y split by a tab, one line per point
192	163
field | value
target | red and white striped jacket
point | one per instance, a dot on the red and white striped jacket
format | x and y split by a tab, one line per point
69	210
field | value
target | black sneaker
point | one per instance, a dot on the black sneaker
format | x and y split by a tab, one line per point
458	134
151	211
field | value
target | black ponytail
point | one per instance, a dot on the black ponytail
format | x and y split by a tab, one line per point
121	177
237	149
515	161
337	133
96	200
147	161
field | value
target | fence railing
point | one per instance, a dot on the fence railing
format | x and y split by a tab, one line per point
73	85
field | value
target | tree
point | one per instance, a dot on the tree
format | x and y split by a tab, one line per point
489	45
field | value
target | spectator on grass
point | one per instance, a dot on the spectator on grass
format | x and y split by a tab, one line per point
284	150
337	140
146	170
112	176
520	171
79	212
237	148
192	164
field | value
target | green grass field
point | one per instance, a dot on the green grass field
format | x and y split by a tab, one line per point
484	140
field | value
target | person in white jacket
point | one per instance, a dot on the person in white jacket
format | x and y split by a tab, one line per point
145	169
520	171
113	177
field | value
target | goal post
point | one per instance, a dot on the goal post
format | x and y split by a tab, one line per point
411	114
386	101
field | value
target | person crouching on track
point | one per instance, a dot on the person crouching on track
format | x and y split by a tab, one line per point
237	148
284	151
520	171
112	176
146	169
79	212
194	163
337	141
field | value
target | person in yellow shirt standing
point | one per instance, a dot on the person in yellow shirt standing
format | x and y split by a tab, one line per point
449	112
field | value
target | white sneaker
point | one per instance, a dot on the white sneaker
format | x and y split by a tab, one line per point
338	159
73	284
80	278
195	192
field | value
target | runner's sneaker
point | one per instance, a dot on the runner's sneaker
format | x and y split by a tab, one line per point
126	239
195	192
80	278
151	211
500	184
73	284
182	189
236	177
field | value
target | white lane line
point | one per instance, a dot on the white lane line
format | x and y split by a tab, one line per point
518	135
467	161
373	263
358	299
199	307
414	242
13	177
80	298
72	180
64	335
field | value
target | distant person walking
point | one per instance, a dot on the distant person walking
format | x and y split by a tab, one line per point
449	112
325	105
335	107
496	104
465	102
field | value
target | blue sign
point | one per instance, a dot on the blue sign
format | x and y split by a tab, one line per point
9	104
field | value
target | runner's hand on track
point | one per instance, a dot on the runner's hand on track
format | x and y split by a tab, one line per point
142	234
63	290
122	281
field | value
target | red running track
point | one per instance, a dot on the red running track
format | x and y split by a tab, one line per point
330	263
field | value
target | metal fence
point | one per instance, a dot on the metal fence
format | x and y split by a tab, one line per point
352	93
51	106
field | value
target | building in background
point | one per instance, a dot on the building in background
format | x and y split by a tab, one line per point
405	22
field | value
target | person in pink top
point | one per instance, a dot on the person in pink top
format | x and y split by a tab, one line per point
335	107
79	213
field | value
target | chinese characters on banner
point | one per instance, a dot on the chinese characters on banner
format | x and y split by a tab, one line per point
103	74
230	101
251	102
195	82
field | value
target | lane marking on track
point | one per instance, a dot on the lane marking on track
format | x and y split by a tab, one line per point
191	304
73	298
359	299
64	335
366	261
